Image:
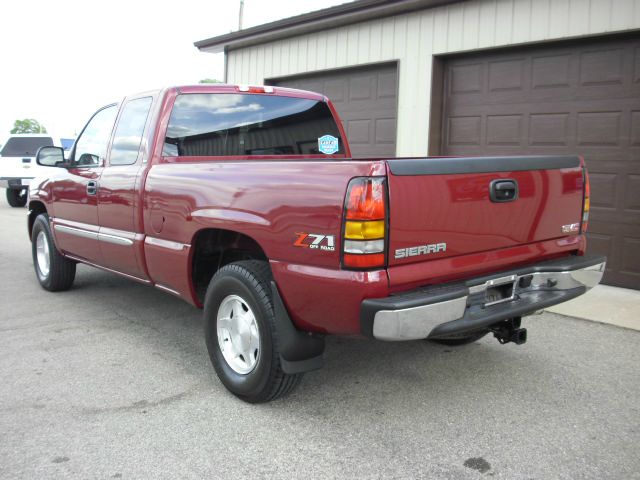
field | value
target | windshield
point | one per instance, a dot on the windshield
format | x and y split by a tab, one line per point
222	124
24	146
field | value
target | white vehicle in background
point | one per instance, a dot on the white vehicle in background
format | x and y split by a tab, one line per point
18	166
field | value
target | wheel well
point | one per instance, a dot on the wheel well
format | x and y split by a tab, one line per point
213	249
35	209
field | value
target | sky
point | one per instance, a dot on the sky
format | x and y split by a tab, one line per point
61	60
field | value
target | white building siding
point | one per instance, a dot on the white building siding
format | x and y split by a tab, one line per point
412	39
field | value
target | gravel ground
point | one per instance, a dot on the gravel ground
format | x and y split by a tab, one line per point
112	380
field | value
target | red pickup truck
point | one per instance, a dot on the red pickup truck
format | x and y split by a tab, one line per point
245	201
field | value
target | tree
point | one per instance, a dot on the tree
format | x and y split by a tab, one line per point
210	80
28	125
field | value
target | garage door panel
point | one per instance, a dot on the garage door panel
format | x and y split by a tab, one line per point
601	67
385	131
599	129
603	189
388	85
506	75
366	100
504	130
359	132
466	79
603	243
464	130
335	90
630	259
549	129
632	193
551	72
570	98
635	129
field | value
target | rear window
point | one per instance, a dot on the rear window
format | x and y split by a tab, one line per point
223	124
25	146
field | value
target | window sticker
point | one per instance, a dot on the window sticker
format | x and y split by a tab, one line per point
328	144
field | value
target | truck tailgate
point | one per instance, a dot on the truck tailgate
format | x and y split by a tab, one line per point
443	207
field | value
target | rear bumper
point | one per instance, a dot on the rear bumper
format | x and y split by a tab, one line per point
453	309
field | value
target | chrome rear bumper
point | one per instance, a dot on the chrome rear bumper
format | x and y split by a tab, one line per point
453	309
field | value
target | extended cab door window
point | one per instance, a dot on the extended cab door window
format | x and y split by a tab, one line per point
128	136
120	183
91	146
75	192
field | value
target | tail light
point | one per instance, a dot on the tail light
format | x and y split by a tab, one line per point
586	204
365	223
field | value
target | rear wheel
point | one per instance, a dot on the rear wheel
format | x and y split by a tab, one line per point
241	335
458	341
54	272
17	198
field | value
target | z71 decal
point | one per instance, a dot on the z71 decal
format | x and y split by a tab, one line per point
316	241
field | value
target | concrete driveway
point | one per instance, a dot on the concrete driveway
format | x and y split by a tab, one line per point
112	380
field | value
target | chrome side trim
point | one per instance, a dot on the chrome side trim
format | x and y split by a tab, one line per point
159	242
115	237
417	322
105	237
76	231
167	289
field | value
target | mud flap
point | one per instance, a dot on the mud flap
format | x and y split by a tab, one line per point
299	351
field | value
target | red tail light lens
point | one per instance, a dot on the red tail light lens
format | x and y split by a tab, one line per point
373	260
366	199
364	242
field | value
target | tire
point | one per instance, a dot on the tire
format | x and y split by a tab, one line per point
17	198
238	308
54	272
456	342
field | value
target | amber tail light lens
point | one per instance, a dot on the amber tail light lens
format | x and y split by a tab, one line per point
587	203
365	224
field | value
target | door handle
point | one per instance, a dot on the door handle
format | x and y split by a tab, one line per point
92	187
503	190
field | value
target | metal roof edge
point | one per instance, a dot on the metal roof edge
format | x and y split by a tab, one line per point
344	14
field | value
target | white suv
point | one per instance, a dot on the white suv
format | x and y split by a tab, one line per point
18	165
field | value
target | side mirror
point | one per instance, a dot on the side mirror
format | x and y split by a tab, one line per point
50	156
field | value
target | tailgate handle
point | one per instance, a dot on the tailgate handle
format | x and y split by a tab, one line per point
503	190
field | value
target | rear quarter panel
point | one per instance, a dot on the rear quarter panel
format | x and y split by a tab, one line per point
269	201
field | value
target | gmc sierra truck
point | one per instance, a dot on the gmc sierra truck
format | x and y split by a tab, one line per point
245	201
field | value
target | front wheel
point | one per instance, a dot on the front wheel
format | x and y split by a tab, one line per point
17	198
54	272
241	335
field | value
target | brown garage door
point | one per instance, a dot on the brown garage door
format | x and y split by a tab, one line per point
581	97
366	99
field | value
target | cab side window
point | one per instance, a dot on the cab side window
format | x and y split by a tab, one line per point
91	147
128	136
